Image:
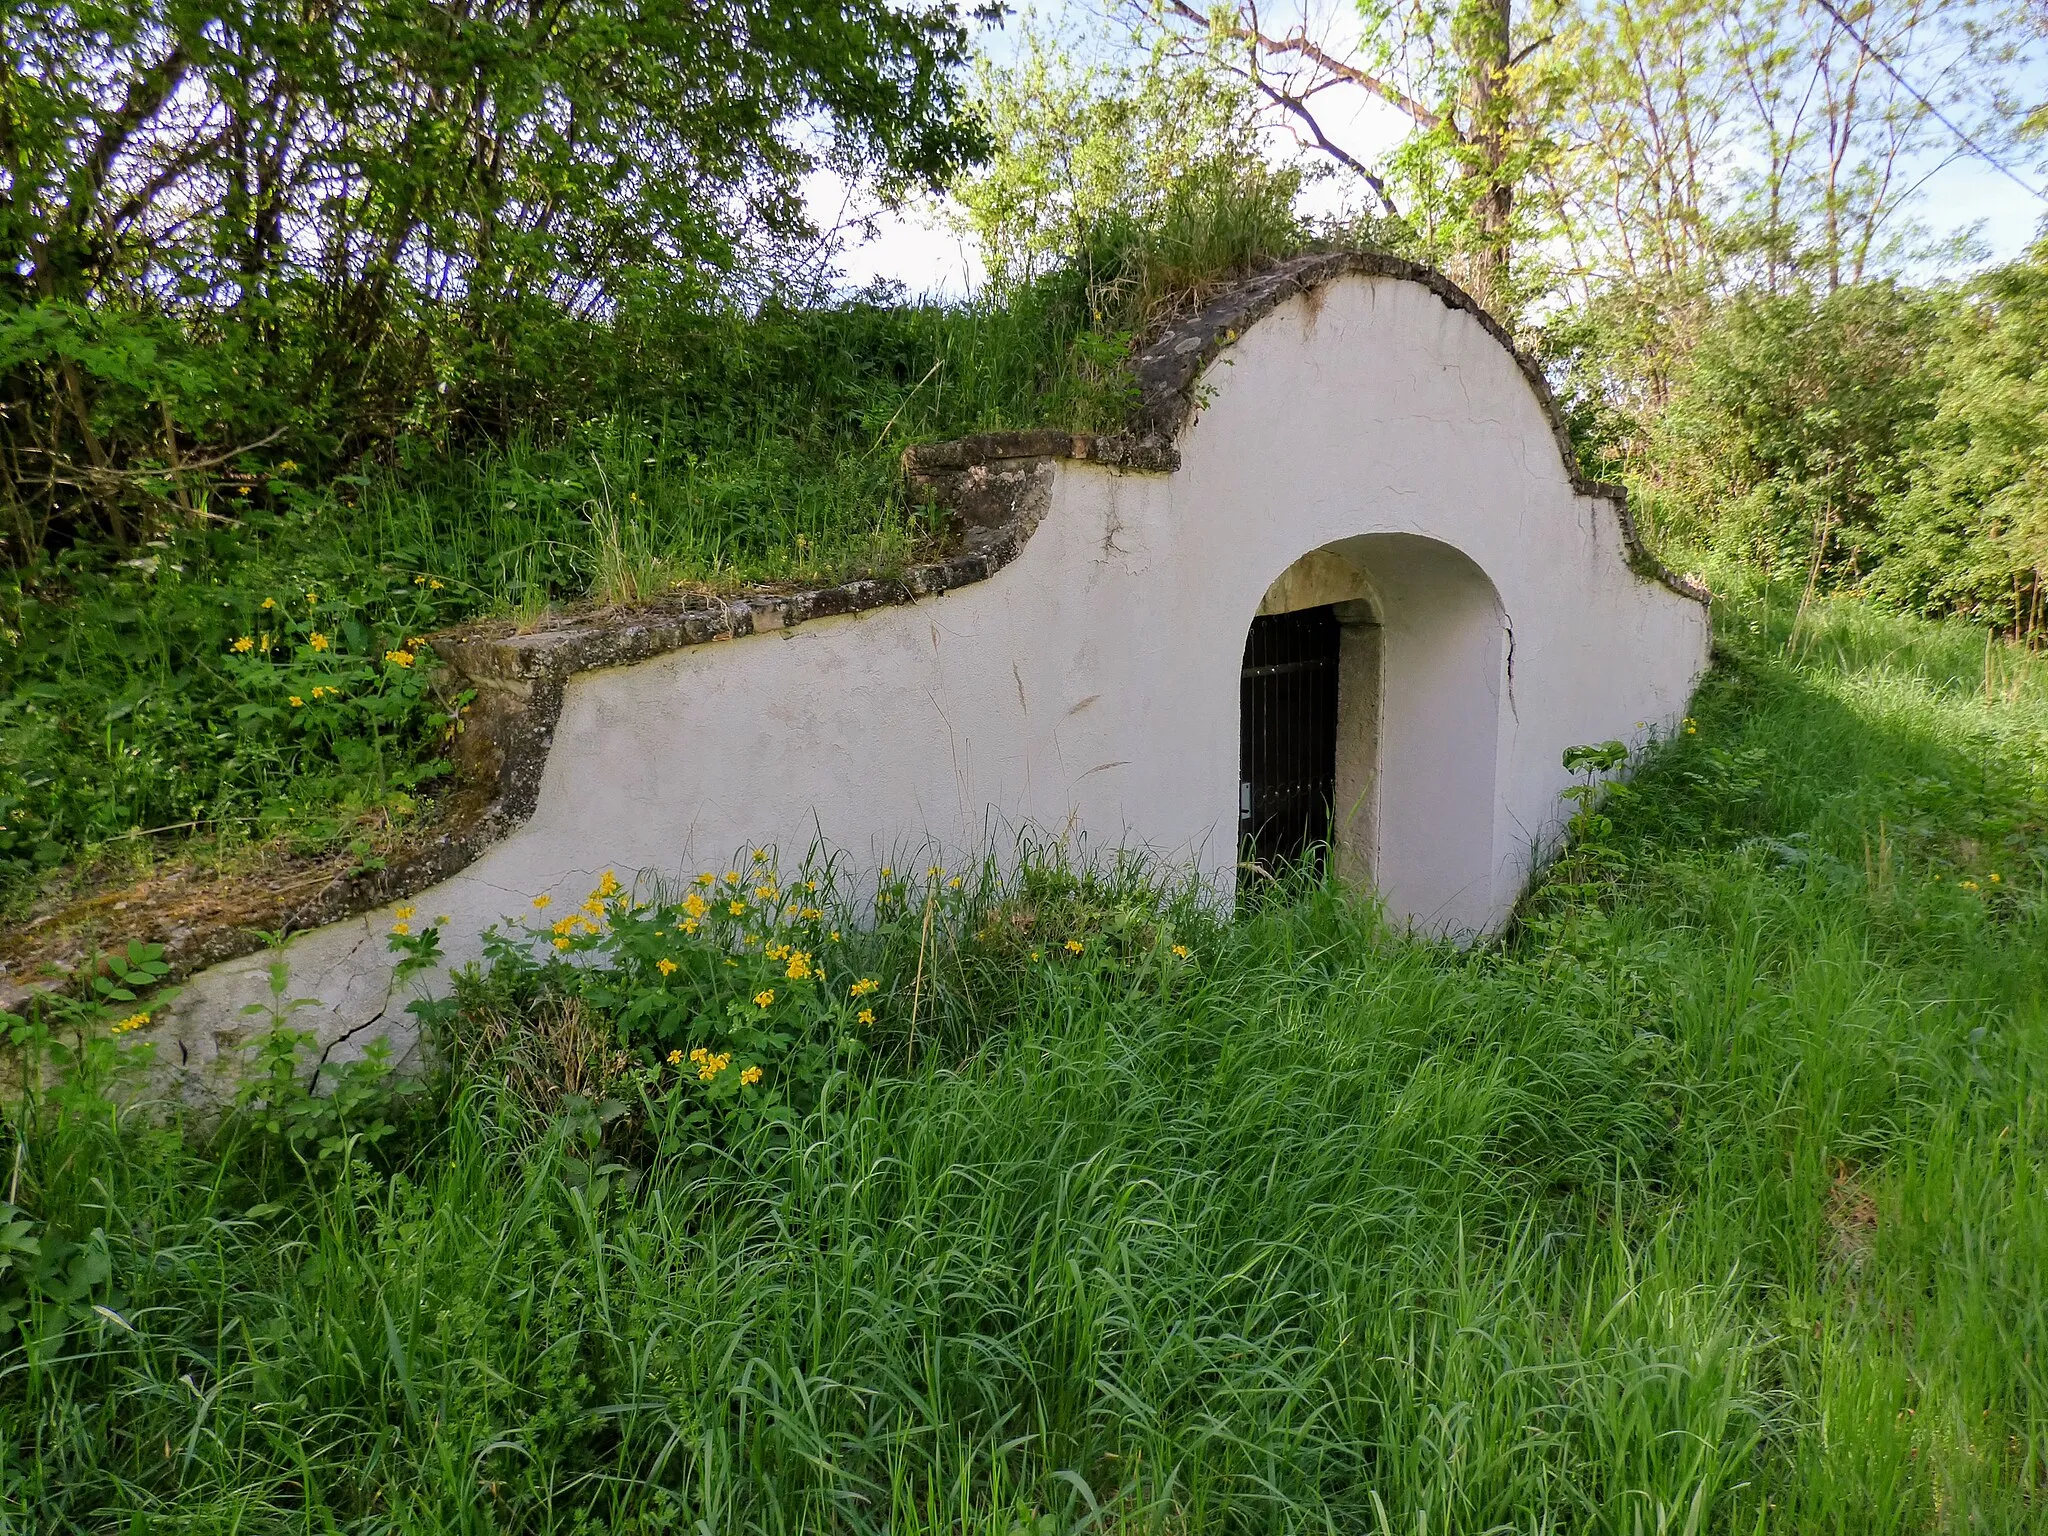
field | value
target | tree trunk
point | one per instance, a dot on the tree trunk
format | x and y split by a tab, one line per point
1486	29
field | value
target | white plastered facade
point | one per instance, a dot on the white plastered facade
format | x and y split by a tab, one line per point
1089	689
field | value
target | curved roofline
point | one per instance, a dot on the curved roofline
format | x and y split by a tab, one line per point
1170	367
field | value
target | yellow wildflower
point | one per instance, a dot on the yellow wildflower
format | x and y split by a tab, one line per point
863	987
675	1057
1075	946
694	904
935	872
834	935
887	871
763	998
245	645
709	1063
811	914
811	886
767	892
133	1022
561	943
317	640
593	906
736	908
399	658
799	966
566	925
760	855
270	602
1994	877
297	702
1181	951
732	877
541	903
750	1076
707	878
954	883
401	911
866	1015
666	966
401	929
312	597
608	884
687	925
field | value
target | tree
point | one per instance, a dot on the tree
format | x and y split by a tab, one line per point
1477	90
327	186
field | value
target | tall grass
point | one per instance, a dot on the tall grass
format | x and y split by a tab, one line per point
1711	1200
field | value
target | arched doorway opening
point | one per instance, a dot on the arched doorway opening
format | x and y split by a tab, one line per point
1370	704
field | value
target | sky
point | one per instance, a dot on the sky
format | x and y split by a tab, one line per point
923	250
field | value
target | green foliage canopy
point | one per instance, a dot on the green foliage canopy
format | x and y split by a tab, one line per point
348	206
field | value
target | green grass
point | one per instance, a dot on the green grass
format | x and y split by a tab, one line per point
1711	1201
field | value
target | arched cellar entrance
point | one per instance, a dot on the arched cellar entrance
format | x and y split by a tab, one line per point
1369	726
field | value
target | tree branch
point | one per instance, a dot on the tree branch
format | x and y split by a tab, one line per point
1300	45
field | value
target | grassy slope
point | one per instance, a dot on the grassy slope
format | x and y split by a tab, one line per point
1713	1202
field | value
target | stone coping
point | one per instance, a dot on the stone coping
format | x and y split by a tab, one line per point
995	485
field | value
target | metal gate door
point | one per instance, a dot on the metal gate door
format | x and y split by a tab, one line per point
1287	744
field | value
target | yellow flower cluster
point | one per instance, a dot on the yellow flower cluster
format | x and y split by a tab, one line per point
297	702
709	1063
1182	952
1075	946
749	1076
317	640
399	658
695	905
133	1022
666	966
322	693
863	987
799	966
245	645
736	908
763	998
404	924
866	1016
